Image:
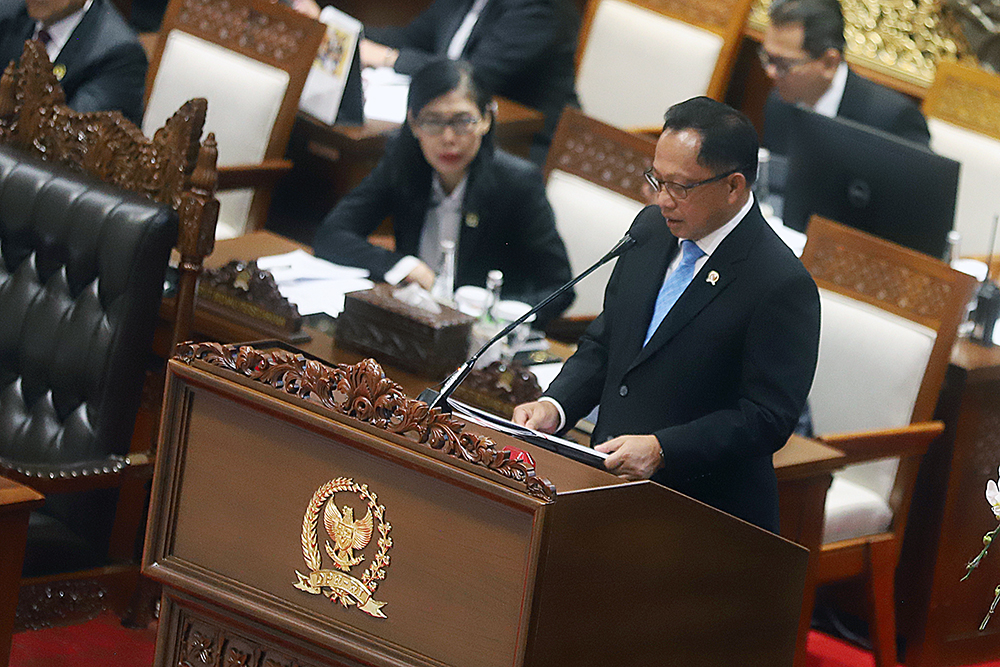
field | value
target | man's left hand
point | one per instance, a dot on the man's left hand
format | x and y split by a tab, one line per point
633	457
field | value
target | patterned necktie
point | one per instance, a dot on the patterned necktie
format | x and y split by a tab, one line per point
674	285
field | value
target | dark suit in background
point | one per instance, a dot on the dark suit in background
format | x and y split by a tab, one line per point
520	49
105	63
864	102
507	224
723	380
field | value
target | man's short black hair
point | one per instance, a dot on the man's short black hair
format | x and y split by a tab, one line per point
728	138
822	22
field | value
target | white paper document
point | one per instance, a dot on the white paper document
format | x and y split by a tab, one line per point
567	448
385	94
314	285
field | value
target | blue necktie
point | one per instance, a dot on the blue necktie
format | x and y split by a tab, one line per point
674	285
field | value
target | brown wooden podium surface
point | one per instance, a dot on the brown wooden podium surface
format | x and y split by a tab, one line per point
468	565
16	503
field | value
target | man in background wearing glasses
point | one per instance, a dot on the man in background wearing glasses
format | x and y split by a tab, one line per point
803	54
704	354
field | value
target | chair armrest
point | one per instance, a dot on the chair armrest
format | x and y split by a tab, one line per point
904	442
82	476
253	175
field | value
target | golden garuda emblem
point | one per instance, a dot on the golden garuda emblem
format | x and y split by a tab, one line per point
347	540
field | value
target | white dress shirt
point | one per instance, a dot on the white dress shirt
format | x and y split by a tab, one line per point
442	223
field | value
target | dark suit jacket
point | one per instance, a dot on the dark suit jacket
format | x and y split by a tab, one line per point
724	378
105	63
514	230
864	101
521	49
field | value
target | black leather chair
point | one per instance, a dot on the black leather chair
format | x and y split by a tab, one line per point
81	276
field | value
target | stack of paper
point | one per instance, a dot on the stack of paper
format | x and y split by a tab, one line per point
314	285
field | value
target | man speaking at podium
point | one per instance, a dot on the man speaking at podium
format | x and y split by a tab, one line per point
704	354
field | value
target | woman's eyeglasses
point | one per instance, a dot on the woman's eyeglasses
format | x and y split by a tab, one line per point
460	124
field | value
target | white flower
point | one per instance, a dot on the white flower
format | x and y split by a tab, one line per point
993	496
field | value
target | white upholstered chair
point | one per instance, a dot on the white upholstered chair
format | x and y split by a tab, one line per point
638	57
889	318
249	59
594	182
963	114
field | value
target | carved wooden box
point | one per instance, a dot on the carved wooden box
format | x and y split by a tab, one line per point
374	323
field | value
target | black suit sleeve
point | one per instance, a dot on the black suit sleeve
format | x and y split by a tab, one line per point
342	236
417	37
579	385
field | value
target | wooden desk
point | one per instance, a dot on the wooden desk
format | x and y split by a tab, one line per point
939	616
16	503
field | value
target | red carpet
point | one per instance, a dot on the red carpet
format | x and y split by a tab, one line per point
103	642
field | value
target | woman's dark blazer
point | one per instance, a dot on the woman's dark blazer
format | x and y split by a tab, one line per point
507	224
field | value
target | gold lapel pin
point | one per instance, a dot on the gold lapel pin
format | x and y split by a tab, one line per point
713	277
471	220
60	71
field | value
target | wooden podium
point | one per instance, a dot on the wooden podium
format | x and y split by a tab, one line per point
307	515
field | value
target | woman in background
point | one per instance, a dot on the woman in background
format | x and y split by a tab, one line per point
442	179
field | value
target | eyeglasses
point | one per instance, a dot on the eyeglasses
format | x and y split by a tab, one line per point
679	190
460	124
782	66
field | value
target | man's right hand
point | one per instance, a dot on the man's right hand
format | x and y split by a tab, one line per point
540	415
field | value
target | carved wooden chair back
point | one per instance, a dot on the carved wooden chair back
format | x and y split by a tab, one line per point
889	320
963	114
250	60
594	182
172	168
637	57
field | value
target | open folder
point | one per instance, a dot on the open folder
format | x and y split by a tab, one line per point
566	448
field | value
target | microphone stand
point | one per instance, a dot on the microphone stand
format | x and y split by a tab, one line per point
440	401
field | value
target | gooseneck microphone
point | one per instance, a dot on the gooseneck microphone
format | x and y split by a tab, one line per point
632	237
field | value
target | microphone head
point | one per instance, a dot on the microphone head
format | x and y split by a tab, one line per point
641	232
